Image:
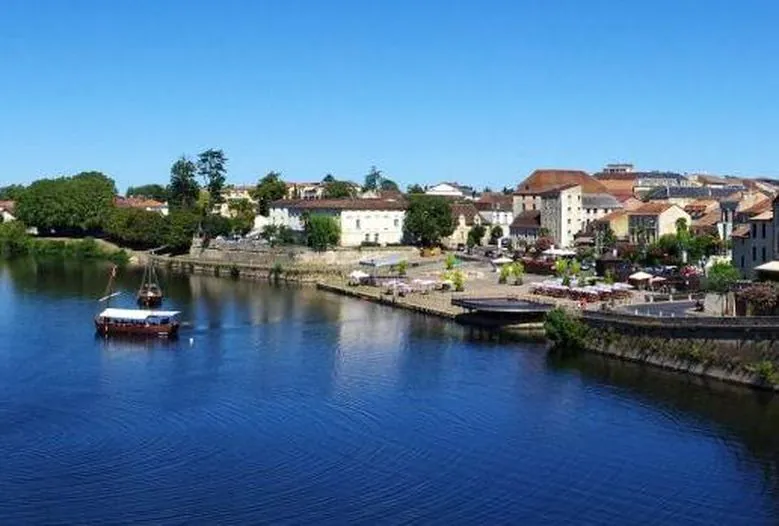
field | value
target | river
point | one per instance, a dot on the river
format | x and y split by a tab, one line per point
287	405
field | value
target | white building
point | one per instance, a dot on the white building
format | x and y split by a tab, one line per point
453	190
361	220
561	213
7	211
596	206
496	210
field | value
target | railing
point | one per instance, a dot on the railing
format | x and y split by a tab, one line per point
685	322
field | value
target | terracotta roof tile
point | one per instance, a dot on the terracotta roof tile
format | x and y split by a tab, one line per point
543	180
467	210
709	219
527	219
740	231
768	215
8	206
616	214
653	208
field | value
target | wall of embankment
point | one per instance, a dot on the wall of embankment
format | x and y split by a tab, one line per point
738	350
257	261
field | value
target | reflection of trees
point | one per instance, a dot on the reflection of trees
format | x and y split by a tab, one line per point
749	416
61	278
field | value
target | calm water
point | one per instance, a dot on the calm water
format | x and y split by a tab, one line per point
295	406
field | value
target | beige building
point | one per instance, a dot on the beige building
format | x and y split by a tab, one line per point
649	222
617	221
465	216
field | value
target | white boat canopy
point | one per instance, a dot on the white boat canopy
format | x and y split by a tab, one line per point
640	276
137	314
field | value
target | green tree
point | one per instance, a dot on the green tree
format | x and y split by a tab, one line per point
150	191
211	167
183	224
329	178
11	192
475	235
495	234
721	278
270	188
68	205
507	190
388	185
338	190
137	228
322	231
242	213
415	189
183	190
428	220
373	179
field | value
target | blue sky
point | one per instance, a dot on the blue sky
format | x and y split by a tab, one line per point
478	92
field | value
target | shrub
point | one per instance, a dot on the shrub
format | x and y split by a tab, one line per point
565	332
450	262
505	272
402	268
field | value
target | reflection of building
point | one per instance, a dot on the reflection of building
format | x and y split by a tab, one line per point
361	220
369	344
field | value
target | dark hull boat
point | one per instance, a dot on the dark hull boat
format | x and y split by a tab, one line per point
149	297
150	293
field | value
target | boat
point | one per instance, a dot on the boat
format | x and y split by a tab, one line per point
134	322
138	322
150	293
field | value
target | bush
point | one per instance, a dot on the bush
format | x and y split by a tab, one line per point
450	262
565	331
402	268
505	272
322	232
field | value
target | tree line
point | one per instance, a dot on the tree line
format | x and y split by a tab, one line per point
85	205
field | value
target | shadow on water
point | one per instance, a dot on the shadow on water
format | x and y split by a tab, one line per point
750	416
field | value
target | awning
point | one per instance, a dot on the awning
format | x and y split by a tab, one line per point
640	276
386	261
771	266
502	261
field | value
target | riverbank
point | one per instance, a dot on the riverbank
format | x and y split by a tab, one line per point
15	241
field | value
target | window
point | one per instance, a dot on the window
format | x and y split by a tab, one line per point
764	236
357	224
375	238
396	223
754	253
742	261
367	237
763	253
754	230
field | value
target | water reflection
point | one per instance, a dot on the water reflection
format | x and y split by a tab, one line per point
291	405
